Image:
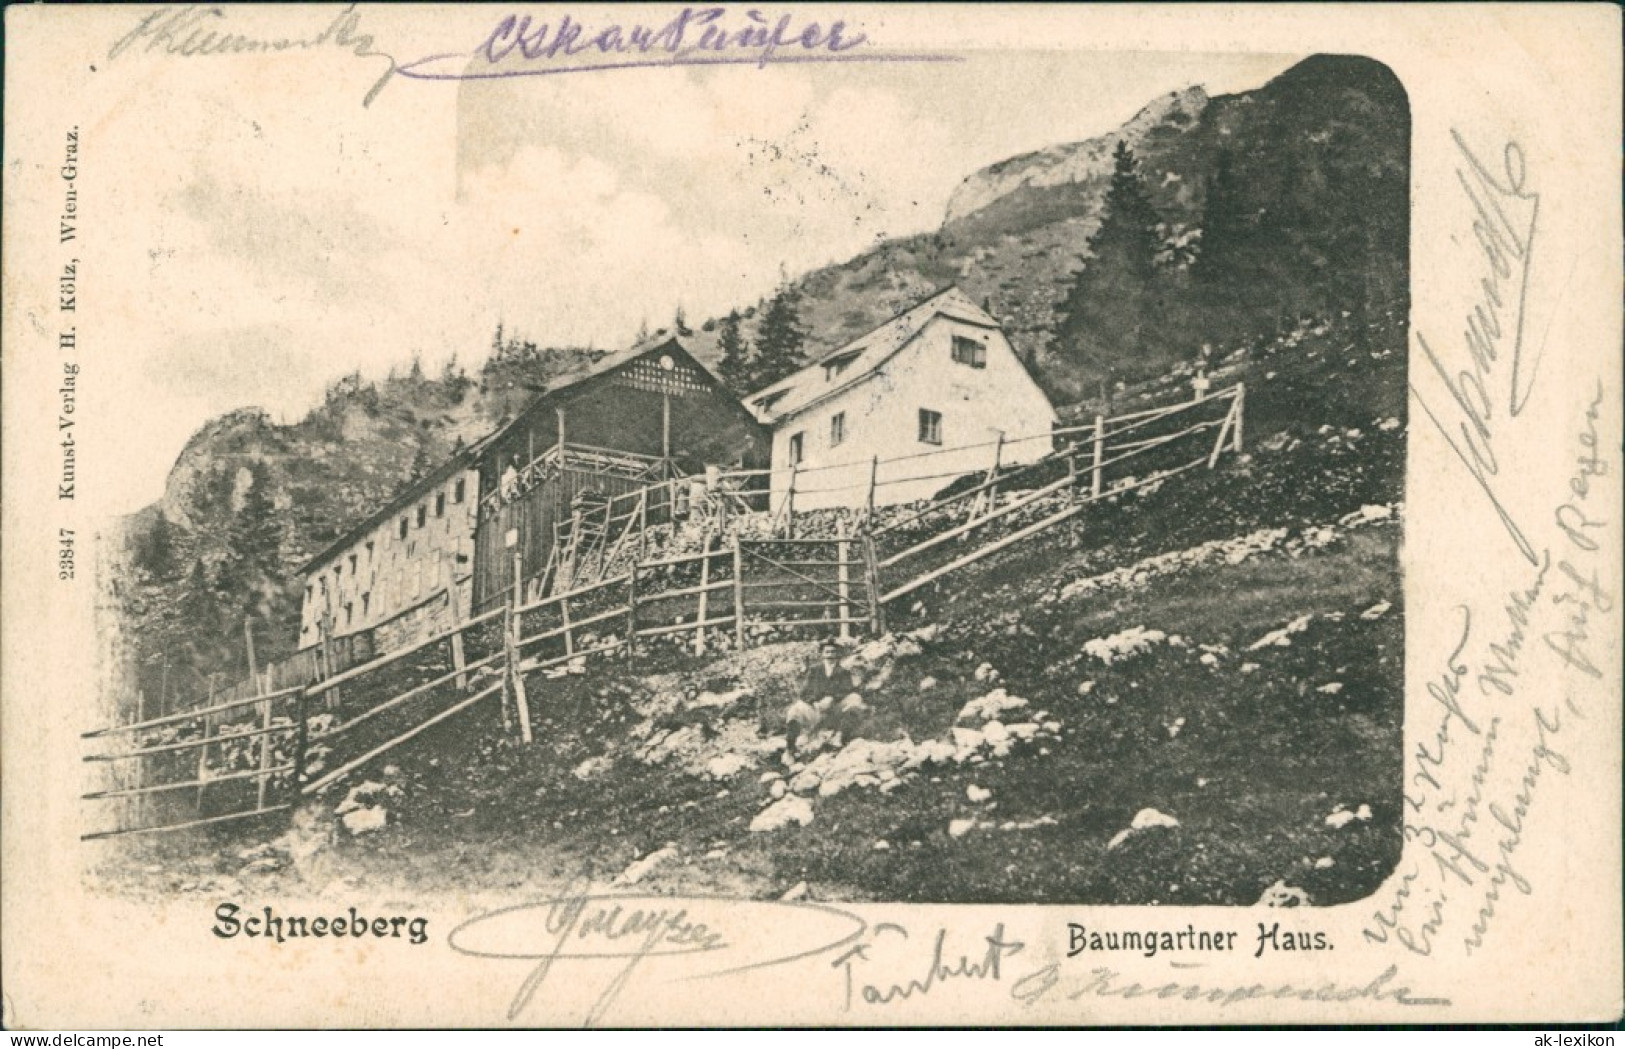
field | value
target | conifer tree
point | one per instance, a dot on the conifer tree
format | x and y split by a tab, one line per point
734	365
1105	321
157	553
780	339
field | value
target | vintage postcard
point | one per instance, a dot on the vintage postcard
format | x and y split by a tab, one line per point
555	515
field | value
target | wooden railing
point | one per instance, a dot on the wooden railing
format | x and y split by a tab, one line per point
256	755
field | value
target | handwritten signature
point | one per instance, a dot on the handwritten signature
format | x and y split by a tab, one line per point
696	36
1103	982
937	970
581	926
1505	216
193	31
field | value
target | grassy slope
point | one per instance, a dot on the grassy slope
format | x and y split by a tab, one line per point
1259	761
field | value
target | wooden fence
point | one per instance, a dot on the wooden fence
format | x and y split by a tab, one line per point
248	756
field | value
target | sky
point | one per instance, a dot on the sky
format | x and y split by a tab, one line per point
272	234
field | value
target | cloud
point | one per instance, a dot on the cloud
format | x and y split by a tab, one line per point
229	364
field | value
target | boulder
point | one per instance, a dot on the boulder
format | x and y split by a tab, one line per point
365	820
788	810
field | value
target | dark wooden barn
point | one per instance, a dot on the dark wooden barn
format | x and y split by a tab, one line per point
640	418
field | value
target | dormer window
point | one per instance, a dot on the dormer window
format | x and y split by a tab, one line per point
834	366
765	403
969	352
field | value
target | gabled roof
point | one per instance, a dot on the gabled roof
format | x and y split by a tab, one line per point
466	458
613	363
862	358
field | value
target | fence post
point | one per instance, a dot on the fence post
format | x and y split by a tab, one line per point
841	584
739	595
790	505
248	639
632	611
331	697
564	618
871	574
869	503
458	658
1100	449
264	778
301	740
1239	408
993	477
705	594
643	527
511	643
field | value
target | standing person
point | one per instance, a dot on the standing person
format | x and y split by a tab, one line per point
828	694
509	485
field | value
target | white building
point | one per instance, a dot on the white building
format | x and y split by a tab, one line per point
404	572
934	393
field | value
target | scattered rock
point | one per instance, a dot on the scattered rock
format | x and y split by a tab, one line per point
960	828
985	672
727	766
977	794
1283	895
1324	863
639	869
1145	819
1124	644
882	845
1376	611
593	767
1366	514
927	684
364	821
1282	638
798	891
1331	688
790	809
717	699
1342	817
990	706
777	790
358	795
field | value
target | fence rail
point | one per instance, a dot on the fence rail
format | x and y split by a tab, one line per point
257	754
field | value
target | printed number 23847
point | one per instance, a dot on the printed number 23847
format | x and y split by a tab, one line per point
64	555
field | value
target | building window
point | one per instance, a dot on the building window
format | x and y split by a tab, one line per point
930	426
837	428
458	492
440	504
403	528
369	551
352	563
348	610
366	602
796	448
969	351
423	514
